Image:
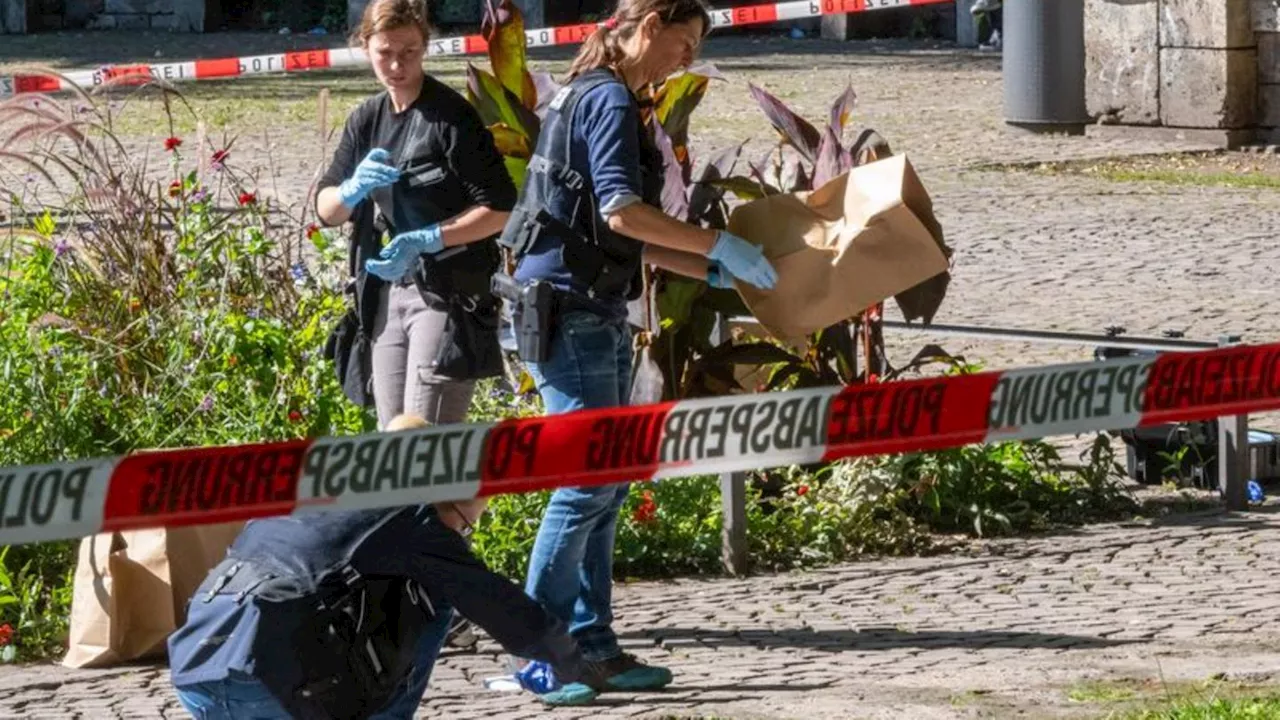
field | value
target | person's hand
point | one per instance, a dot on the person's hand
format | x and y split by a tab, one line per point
371	173
538	678
719	277
744	260
397	257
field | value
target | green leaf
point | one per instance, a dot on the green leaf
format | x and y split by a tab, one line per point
675	301
745	188
45	225
674	104
497	105
503	28
780	376
795	130
516	167
510	143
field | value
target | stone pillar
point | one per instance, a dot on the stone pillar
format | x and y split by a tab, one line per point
1122	61
966	24
1266	24
13	17
1208	64
188	15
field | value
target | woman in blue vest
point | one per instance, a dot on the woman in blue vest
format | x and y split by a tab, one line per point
587	218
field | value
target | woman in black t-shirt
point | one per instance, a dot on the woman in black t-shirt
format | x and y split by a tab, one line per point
417	168
423	168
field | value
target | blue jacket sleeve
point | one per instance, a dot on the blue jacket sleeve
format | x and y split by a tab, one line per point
609	123
444	566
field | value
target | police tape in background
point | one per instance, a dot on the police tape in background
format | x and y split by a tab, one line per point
692	437
467	45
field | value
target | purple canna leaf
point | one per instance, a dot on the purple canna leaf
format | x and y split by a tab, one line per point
675	200
869	147
833	159
547	87
795	130
792	173
842	109
722	164
706	201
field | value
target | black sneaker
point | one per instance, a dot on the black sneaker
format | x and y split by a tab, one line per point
461	634
625	672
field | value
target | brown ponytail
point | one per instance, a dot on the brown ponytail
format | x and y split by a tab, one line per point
603	48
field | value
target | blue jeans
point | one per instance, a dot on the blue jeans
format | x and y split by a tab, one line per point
571	567
243	697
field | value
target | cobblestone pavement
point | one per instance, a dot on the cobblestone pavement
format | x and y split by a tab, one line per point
998	634
1003	631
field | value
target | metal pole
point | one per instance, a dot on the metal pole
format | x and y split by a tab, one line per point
1043	336
733	499
1233	455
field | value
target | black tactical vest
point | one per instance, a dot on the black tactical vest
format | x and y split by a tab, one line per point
559	200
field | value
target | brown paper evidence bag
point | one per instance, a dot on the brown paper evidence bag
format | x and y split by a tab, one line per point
865	236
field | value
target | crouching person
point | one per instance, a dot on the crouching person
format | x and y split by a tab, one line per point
342	614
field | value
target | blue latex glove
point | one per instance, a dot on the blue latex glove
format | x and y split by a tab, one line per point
538	678
399	254
371	173
744	260
718	276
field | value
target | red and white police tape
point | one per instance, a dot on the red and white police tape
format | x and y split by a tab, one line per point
594	447
466	45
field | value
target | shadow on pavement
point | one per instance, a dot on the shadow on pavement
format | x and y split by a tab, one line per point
872	639
1256	518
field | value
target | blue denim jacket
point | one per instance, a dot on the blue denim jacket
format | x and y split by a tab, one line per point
411	542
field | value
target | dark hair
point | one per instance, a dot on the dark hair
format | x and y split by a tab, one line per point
383	15
603	48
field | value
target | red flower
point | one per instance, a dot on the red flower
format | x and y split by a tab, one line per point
802	490
312	229
248	198
6	634
873	378
295	416
171	144
646	512
220	157
175	188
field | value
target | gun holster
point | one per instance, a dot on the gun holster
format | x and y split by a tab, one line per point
533	310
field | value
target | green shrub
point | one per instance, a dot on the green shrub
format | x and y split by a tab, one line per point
146	310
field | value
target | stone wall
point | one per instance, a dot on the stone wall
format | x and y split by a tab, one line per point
19	16
1211	65
1266	25
13	17
132	14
